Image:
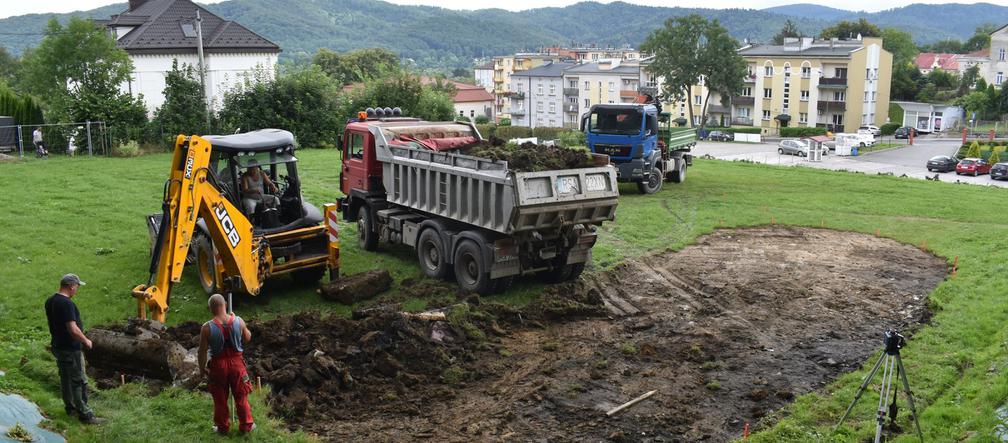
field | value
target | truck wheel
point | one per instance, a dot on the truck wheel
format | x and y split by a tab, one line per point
471	272
205	267
679	175
430	252
502	284
653	183
365	229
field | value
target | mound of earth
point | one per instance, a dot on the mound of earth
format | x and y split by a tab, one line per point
725	331
531	157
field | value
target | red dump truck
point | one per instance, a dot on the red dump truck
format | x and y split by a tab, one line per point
468	217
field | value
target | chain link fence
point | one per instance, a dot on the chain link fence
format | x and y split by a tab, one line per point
83	138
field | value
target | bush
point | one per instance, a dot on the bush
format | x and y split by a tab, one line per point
974	150
745	130
509	132
994	157
572	138
127	149
801	131
547	133
482	120
504	122
889	128
486	130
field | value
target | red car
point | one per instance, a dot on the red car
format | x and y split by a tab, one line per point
973	166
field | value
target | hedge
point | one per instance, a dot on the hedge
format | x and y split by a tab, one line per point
487	130
745	130
889	128
509	132
547	133
801	131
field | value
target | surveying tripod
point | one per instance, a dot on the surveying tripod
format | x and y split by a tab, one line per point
892	368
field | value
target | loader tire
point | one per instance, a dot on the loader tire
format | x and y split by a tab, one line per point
205	264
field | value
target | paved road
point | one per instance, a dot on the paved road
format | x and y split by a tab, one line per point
909	160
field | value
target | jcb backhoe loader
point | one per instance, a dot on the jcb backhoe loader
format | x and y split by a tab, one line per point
237	241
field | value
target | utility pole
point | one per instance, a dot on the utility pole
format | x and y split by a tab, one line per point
202	67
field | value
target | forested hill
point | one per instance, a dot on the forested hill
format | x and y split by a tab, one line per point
438	37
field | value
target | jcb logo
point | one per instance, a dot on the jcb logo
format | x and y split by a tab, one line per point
229	228
188	167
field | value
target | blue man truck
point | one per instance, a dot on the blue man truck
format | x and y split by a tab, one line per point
641	142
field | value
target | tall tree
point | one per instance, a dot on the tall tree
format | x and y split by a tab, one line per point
949	46
183	111
10	68
847	29
356	66
790	30
981	38
904	81
900	44
77	71
688	48
968	79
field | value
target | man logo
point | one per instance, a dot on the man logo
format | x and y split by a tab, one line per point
228	226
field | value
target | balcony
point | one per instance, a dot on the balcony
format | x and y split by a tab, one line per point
570	108
516	95
628	93
517	112
743	101
833	82
742	121
751	78
831	106
573	92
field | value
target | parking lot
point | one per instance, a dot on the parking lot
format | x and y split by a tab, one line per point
909	160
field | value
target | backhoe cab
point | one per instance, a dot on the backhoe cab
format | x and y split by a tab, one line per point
236	238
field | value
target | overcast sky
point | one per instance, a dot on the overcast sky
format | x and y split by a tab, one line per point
19	7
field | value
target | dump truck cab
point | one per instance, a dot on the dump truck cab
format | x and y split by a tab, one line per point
643	152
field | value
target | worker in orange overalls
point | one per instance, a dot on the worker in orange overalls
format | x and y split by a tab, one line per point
224	336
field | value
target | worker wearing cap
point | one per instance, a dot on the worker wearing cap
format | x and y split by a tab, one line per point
224	336
66	329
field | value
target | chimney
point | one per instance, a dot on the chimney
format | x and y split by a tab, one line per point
134	4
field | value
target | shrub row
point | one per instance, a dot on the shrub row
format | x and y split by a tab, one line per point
745	130
801	131
889	128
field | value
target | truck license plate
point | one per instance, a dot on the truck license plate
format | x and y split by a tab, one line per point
595	183
567	185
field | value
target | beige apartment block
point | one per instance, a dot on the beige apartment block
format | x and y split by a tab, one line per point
837	84
587	84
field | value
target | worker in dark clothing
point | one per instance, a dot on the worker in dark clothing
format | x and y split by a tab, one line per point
66	329
223	336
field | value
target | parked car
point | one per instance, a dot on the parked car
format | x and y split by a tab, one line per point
867	137
793	147
973	166
904	132
999	171
942	163
871	128
721	136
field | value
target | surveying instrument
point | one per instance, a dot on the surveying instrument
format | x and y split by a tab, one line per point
892	369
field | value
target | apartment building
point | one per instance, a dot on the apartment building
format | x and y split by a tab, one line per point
588	84
838	84
718	112
484	76
537	97
506	65
594	53
993	61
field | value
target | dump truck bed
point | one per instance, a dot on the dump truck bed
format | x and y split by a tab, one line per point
679	138
487	194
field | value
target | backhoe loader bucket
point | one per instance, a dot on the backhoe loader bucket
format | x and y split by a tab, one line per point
144	349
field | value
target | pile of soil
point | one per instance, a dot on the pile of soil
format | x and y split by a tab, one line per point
725	331
531	157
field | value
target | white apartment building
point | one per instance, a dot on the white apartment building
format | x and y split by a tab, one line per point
537	98
588	84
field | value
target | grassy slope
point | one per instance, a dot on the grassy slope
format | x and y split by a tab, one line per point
58	213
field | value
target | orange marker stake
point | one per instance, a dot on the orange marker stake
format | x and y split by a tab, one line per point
745	431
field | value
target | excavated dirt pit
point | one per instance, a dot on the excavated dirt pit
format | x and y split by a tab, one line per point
725	331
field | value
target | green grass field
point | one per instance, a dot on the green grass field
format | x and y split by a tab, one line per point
85	215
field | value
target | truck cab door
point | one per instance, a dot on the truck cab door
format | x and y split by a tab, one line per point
354	174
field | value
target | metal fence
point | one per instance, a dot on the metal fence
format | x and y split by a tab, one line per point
83	138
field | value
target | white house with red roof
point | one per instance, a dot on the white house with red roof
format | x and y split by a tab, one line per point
157	32
929	61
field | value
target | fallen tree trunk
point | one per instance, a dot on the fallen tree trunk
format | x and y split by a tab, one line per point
357	287
147	356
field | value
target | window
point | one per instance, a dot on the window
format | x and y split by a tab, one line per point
867	74
587	85
840	72
766	114
552	107
552	123
743	112
573	83
572	100
802	117
552	88
806	71
839	96
696	120
189	31
472	112
768	71
746	92
539	89
866	96
356	145
697	100
1001	54
461	113
539	107
767	93
804	96
587	103
864	119
838	119
873	96
612	86
999	78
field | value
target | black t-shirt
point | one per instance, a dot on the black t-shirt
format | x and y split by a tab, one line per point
59	310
